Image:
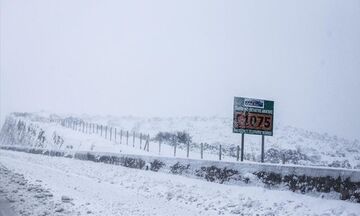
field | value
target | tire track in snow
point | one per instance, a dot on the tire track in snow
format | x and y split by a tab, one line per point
114	190
106	199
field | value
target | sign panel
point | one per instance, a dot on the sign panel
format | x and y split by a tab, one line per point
253	116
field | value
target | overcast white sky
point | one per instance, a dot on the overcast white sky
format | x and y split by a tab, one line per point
180	58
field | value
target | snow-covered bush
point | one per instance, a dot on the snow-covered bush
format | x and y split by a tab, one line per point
19	131
176	138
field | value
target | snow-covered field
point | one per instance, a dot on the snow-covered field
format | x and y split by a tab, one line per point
306	147
62	186
289	145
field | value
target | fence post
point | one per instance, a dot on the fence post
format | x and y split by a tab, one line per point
134	139
127	137
110	131
83	130
148	144
202	150
159	146
175	144
145	139
106	128
115	134
101	129
121	136
220	153
237	152
187	149
140	140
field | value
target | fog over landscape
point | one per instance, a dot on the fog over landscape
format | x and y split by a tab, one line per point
179	107
184	58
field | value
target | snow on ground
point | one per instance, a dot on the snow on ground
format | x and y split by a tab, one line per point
103	189
29	198
322	148
5	209
76	140
303	147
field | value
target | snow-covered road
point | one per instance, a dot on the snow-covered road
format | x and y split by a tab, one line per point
102	189
5	209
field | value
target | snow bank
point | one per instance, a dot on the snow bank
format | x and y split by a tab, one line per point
105	189
296	178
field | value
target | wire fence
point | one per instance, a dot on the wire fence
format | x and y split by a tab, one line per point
144	142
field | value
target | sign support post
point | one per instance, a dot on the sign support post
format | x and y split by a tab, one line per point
237	153
262	148
242	146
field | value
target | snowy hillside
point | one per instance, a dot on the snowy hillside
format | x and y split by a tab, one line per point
288	145
298	145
